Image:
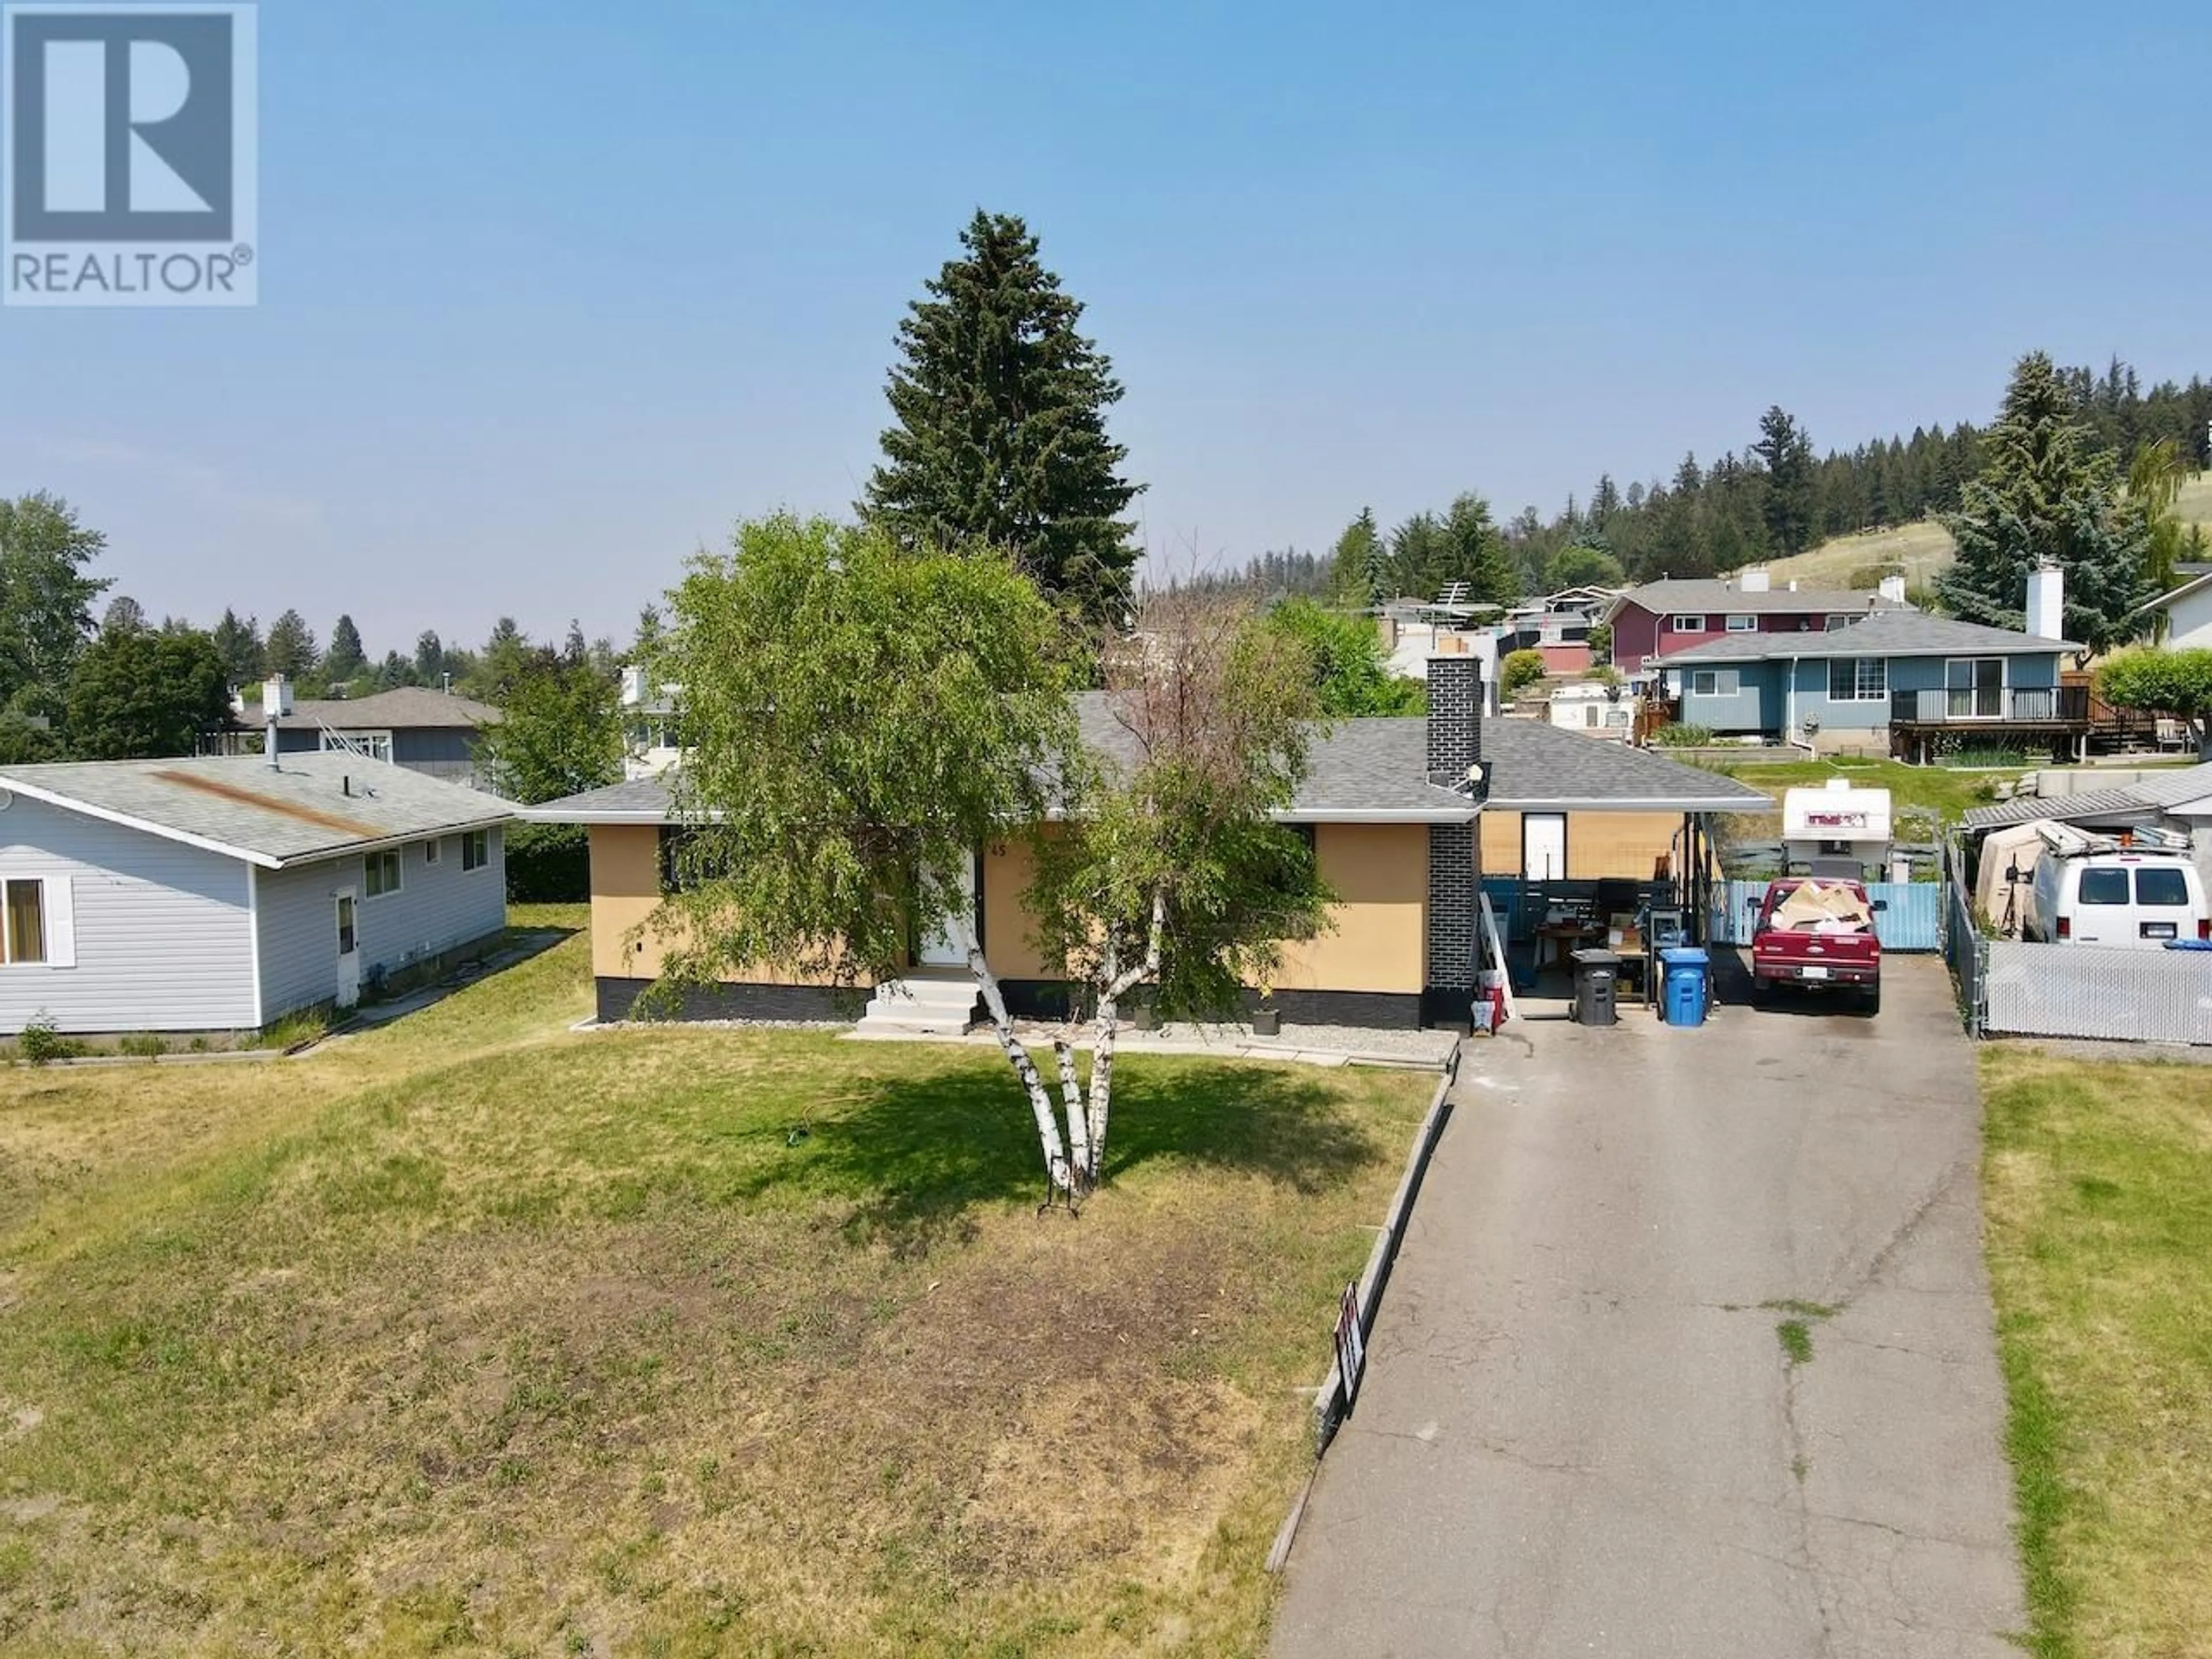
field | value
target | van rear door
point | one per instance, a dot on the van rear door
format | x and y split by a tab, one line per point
2103	905
2163	906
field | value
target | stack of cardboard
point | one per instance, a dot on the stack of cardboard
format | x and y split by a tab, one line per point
1815	906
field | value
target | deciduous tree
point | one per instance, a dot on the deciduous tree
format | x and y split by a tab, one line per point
136	693
1350	671
859	717
46	599
2175	682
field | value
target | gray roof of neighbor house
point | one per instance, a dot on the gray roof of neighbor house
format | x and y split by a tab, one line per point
406	708
1367	771
1713	597
1885	634
2145	797
2090	804
317	806
2176	788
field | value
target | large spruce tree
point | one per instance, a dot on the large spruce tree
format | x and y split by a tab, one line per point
1790	505
2047	494
1001	403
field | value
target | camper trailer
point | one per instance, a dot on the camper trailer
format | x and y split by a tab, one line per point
1838	831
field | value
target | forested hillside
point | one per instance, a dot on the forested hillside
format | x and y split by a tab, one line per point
1780	498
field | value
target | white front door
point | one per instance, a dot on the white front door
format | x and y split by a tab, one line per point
1543	845
349	917
941	946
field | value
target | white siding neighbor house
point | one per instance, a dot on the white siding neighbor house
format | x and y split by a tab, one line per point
2188	613
220	893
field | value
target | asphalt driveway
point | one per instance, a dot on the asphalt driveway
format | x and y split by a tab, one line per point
1583	1432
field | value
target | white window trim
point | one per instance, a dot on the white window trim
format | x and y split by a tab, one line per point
1689	621
1859	693
1741	623
1726	683
432	853
378	743
398	883
57	918
2004	686
484	863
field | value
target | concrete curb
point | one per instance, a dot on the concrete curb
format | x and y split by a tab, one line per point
1331	1406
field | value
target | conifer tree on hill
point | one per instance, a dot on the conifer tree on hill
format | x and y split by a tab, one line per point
1000	403
2047	494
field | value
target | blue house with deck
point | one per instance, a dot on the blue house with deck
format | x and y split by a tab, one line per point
1899	682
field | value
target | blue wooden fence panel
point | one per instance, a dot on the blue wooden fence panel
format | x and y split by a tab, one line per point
1908	921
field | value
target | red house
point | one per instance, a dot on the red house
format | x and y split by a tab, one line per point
1669	615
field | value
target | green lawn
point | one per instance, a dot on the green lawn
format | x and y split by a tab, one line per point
2098	1186
1939	789
474	1334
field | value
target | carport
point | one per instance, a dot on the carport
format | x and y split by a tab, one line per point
1578	830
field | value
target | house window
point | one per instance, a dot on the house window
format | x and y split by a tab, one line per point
1739	623
382	872
27	922
1858	679
476	849
431	850
377	745
1836	622
1689	625
1713	683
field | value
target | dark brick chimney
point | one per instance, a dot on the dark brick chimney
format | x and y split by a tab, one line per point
1455	719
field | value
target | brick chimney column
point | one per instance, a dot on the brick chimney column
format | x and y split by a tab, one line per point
1455	743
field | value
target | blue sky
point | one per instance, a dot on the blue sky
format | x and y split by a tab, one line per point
552	294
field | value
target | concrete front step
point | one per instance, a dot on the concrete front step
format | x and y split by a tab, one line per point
920	1005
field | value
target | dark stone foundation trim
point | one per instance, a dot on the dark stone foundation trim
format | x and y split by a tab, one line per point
617	1000
1047	999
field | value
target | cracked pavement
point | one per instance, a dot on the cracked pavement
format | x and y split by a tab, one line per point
1579	1433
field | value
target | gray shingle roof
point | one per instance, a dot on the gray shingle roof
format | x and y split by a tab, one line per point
318	805
1885	634
2090	804
406	707
1367	768
1707	597
2174	788
1535	764
635	800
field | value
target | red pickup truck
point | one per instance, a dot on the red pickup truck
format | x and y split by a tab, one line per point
1817	934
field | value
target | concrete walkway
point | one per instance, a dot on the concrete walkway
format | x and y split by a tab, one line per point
1581	1433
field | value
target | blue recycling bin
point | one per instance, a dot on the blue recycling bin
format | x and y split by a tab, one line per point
1682	985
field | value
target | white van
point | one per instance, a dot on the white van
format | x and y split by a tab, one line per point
2142	897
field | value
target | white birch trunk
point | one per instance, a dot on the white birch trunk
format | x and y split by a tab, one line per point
1078	1129
1018	1056
1102	1053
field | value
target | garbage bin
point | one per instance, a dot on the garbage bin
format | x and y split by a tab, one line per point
1597	975
1682	984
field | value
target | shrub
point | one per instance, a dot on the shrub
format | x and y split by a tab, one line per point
548	863
1866	577
1604	674
145	1045
1601	642
41	1041
1520	670
1675	735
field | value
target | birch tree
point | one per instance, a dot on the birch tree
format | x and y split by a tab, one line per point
859	718
1167	869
